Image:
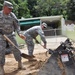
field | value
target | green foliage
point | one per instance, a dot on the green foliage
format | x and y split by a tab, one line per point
71	10
21	8
31	6
37	8
1	4
51	7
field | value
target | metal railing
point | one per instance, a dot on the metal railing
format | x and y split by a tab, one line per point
52	32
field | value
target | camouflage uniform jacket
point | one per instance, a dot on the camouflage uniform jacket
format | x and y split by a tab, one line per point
34	31
9	23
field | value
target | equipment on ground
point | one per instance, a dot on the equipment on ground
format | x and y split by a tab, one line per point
61	62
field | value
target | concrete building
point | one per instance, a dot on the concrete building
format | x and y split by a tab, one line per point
55	24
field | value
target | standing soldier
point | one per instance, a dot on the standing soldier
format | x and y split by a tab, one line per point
8	24
31	34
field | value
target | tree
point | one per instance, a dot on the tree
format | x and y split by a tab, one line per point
1	4
51	7
23	10
31	7
71	10
20	8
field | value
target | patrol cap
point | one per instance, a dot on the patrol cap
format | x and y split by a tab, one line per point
45	25
8	4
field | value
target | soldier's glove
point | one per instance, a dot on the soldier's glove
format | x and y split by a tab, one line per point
36	41
1	31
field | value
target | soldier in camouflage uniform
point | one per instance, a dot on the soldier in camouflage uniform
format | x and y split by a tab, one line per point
31	34
8	24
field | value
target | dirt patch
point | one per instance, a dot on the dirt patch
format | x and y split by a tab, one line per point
31	67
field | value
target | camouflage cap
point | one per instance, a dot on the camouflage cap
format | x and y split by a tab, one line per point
45	25
8	4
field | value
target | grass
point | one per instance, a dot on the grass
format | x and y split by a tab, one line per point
21	41
70	34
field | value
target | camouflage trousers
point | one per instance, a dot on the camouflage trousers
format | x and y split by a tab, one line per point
30	44
17	53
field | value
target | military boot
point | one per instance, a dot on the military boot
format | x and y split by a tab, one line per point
1	70
20	66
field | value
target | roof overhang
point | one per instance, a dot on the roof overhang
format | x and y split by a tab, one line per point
36	20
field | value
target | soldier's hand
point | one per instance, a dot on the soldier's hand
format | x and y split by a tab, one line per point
22	36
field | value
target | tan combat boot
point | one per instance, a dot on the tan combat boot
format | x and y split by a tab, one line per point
1	70
20	66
